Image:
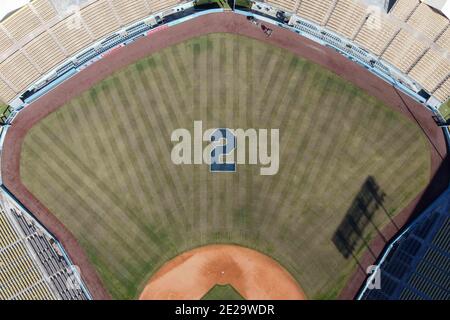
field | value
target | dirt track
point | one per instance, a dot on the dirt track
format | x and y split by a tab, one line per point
213	23
254	275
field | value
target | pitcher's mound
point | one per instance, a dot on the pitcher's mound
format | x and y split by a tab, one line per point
192	275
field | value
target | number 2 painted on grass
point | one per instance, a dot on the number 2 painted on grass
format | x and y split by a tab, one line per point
220	152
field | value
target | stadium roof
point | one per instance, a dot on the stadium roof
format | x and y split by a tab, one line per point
9	6
442	6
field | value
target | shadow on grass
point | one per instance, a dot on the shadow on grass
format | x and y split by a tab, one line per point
350	233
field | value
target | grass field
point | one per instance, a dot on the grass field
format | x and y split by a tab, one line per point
102	163
4	112
445	110
222	293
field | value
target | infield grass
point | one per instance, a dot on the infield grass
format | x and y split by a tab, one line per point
220	292
102	165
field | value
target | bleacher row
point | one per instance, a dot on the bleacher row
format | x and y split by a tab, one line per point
418	266
412	37
31	264
40	35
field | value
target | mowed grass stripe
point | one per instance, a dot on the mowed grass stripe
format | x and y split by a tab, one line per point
63	168
145	102
105	169
345	121
133	135
135	140
215	105
332	128
103	245
344	202
111	202
292	128
76	202
133	175
309	150
131	181
119	157
288	107
147	138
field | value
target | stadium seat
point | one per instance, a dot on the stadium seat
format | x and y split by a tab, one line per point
431	70
72	35
100	18
130	11
6	93
443	92
429	22
44	59
376	41
316	11
5	41
403	9
444	39
22	23
288	5
347	18
44	9
404	51
161	5
19	70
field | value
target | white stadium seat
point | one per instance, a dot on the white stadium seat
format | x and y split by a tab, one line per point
45	9
316	11
403	9
431	70
404	51
19	70
409	37
71	34
375	36
99	18
430	24
347	18
130	11
288	5
22	23
45	59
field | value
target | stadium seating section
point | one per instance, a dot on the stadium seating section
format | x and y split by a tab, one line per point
31	265
412	37
38	37
417	267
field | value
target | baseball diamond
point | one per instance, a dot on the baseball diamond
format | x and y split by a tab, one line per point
346	153
106	156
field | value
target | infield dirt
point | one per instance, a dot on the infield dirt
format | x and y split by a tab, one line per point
192	274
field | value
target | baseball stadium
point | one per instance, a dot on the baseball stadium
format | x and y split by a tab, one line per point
95	95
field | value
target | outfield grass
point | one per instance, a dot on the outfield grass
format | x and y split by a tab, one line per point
102	162
445	110
220	292
4	112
